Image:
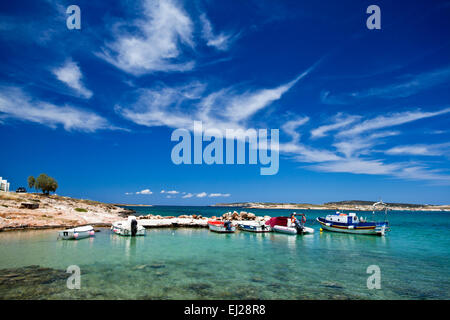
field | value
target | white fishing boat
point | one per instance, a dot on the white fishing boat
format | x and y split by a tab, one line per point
292	230
76	233
221	226
129	227
290	225
254	226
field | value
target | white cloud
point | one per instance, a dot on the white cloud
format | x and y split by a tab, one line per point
156	45
179	107
407	86
145	191
14	103
394	119
71	75
201	195
339	122
353	147
188	195
213	195
421	150
220	41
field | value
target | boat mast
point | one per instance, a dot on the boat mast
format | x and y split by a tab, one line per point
385	208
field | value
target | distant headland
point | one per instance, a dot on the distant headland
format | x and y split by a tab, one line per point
356	205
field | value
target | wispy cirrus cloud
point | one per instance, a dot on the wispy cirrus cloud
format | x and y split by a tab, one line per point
440	149
340	121
155	42
179	107
407	85
352	149
71	75
394	119
221	41
16	104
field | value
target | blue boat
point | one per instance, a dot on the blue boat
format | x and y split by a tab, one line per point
351	223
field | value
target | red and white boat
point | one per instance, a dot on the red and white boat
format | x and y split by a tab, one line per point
221	226
290	225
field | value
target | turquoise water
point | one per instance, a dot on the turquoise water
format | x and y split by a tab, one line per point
198	264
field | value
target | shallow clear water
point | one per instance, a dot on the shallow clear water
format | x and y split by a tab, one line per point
198	264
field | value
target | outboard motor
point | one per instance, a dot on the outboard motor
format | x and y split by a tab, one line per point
134	227
299	226
227	225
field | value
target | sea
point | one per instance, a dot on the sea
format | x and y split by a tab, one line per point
411	262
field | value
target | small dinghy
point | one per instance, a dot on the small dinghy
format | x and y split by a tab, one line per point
290	225
129	227
221	226
254	227
76	233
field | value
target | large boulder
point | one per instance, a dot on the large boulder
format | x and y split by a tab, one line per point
251	216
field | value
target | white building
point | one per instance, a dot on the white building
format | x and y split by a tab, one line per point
4	185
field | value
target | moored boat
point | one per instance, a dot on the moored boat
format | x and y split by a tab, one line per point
221	226
76	233
290	225
254	226
351	223
129	227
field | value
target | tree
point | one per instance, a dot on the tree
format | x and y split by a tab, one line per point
46	184
31	182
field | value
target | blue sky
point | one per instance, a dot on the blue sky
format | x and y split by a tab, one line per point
362	113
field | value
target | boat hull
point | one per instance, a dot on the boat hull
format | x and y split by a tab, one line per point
292	230
379	230
127	233
258	228
76	233
221	228
122	229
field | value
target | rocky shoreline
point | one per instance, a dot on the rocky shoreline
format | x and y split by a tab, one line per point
29	211
157	221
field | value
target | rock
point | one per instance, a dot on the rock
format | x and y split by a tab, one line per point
157	265
194	216
251	216
213	217
243	215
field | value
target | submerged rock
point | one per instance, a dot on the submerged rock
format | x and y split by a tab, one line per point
30	276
